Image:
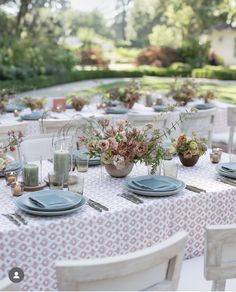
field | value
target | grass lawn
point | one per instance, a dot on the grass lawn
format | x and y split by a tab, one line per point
225	93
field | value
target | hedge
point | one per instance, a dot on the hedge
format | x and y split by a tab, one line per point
221	74
46	81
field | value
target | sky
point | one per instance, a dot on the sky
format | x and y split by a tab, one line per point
106	7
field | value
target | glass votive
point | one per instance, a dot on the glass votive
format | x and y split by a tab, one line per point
76	184
218	151
98	105
82	160
154	171
170	169
10	177
31	175
215	157
168	154
56	180
17	188
16	113
232	155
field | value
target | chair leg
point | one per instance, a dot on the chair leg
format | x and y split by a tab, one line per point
218	285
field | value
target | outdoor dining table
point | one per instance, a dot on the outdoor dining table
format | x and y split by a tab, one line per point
35	127
125	228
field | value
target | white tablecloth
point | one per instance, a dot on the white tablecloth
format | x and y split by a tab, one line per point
33	127
126	227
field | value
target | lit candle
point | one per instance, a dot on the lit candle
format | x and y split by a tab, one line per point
16	113
31	175
10	178
62	163
16	189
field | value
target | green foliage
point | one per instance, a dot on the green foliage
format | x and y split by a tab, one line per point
222	74
126	55
194	53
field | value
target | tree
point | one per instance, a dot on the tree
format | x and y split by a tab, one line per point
122	7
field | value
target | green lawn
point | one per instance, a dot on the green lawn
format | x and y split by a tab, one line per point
225	93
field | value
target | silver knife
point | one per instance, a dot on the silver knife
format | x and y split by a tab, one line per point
195	189
12	219
20	218
130	198
94	206
99	205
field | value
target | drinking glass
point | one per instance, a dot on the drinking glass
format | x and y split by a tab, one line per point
157	171
170	169
76	184
232	155
82	160
56	181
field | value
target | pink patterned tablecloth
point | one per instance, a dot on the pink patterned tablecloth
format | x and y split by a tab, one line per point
126	227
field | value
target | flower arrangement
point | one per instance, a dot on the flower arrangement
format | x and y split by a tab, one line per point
4	98
183	91
207	96
121	144
77	101
13	142
189	146
33	102
128	95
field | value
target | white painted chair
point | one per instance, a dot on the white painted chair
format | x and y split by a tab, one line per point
35	146
227	138
5	128
220	262
7	285
140	120
52	126
201	122
154	268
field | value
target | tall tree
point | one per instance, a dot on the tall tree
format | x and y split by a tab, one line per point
122	7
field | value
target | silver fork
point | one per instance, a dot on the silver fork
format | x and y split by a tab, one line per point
12	219
130	197
20	218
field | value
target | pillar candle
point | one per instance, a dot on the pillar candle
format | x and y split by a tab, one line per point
62	163
31	175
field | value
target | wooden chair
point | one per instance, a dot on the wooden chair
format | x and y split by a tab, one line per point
7	285
220	255
154	268
201	122
140	120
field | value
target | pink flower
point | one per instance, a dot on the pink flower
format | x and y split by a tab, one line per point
91	146
104	122
118	161
103	145
113	143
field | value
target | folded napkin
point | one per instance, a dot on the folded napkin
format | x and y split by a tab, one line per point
231	167
13	166
47	201
119	110
32	116
152	184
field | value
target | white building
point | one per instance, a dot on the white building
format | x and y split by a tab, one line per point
223	42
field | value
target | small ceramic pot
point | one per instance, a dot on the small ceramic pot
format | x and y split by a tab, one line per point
113	171
189	161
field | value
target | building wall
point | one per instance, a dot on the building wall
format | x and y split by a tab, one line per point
224	44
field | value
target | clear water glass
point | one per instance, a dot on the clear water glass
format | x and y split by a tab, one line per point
56	181
82	160
232	154
170	169
76	184
157	171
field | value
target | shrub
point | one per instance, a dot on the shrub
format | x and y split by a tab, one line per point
180	66
126	55
159	57
222	74
193	53
164	72
92	57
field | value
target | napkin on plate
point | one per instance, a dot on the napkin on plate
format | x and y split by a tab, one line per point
151	184
49	201
231	167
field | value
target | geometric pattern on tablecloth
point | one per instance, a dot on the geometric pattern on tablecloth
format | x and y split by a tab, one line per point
125	228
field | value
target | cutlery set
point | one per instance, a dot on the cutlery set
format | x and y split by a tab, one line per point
16	219
96	205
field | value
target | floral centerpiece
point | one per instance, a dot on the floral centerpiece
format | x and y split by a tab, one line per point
207	96
189	149
128	95
5	95
77	101
120	146
183	91
33	102
13	142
